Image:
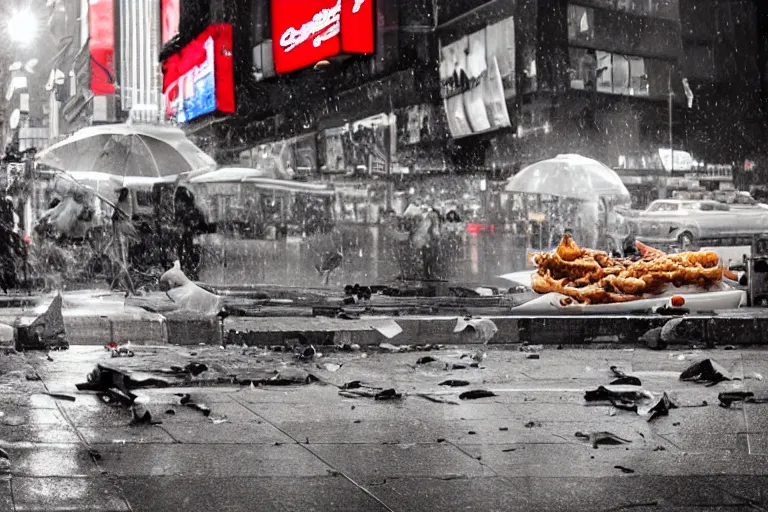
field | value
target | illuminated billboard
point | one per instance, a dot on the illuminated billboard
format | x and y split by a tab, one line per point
305	32
199	79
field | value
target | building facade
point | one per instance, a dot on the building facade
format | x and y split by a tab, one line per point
467	85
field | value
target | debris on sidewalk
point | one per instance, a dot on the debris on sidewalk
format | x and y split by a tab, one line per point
61	396
632	398
706	371
624	469
483	328
655	406
438	399
597	438
370	392
532	356
624	379
116	385
476	393
454	383
426	360
46	332
728	398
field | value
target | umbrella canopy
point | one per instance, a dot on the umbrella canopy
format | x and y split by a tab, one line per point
572	176
127	150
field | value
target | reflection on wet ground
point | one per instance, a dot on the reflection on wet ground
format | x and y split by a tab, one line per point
309	448
372	255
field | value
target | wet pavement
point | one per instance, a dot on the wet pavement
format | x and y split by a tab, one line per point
305	447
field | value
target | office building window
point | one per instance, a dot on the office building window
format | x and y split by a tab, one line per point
667	9
580	24
613	73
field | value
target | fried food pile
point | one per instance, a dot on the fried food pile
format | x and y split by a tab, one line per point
594	277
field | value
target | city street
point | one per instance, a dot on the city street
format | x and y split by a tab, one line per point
305	447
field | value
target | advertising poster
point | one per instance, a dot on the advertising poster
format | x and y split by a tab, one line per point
454	80
197	88
101	44
199	79
477	76
477	71
363	146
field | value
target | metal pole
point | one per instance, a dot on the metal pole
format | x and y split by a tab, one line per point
671	94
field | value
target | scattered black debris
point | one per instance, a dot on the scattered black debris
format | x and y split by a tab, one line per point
170	412
676	424
622	379
61	396
503	429
440	439
532	424
305	353
506	450
659	449
658	406
425	360
476	393
729	347
532	356
388	394
471	432
357	421
706	371
195	369
624	470
618	397
597	438
455	383
355	384
728	398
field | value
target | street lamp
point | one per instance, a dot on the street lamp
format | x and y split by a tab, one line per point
22	27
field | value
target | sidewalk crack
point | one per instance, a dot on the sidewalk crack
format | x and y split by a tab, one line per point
360	487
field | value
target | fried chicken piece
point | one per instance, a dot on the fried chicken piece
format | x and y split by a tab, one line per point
568	250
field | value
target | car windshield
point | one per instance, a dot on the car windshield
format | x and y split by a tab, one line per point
663	207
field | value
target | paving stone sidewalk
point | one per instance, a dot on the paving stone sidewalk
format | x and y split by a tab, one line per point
305	447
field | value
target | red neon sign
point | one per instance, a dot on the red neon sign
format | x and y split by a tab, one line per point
200	79
101	26
357	26
305	32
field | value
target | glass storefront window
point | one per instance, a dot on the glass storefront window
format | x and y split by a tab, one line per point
667	9
582	69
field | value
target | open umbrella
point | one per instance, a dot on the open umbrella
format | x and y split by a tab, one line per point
127	150
572	176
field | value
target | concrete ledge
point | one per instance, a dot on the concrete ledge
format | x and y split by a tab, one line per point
744	327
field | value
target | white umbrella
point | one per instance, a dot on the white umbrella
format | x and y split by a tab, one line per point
572	176
128	150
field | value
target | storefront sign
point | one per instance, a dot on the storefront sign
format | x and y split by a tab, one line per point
308	31
471	74
199	79
675	160
170	15
366	146
101	44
